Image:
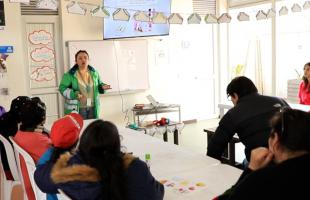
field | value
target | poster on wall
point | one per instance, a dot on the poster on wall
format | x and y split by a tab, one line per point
42	58
2	18
4	90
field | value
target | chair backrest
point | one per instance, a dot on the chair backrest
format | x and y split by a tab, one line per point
2	180
11	157
24	159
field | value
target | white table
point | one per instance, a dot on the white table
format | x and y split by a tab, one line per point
229	105
169	161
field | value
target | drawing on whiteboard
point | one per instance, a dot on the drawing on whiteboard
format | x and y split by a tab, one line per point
43	73
43	54
40	37
132	63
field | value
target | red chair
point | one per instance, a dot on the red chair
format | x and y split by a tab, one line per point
26	167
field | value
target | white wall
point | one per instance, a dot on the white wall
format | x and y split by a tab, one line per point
165	82
11	35
77	27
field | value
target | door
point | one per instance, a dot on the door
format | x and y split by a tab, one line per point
42	49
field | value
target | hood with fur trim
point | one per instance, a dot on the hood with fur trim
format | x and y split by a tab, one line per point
62	173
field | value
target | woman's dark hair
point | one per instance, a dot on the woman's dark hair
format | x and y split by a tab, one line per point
80	51
292	127
32	114
16	106
58	151
306	82
100	148
242	86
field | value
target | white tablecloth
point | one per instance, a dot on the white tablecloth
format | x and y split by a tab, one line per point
170	162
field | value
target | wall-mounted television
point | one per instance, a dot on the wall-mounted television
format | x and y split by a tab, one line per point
114	29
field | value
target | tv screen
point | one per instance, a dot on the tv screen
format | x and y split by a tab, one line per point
114	29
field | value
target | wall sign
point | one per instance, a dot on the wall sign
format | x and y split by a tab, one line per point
6	49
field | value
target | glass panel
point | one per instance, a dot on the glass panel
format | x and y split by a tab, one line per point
250	47
293	37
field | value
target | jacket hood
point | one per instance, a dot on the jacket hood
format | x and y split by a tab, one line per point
62	172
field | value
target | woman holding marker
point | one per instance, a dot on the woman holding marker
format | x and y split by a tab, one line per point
81	87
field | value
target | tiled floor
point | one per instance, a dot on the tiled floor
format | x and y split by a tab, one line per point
192	136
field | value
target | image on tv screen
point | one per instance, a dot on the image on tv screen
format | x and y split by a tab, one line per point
125	29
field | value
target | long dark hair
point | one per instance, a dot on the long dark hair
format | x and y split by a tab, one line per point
306	82
100	148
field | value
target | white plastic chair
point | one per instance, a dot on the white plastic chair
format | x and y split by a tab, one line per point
31	167
62	195
8	185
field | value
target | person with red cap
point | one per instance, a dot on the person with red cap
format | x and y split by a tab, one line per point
65	133
99	170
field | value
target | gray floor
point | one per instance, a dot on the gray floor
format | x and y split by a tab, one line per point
193	138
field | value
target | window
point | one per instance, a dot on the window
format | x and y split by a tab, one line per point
292	45
250	47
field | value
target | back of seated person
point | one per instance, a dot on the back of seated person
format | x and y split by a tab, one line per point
64	135
99	170
9	121
249	118
30	136
289	149
8	127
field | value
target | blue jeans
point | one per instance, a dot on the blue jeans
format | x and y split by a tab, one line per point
87	113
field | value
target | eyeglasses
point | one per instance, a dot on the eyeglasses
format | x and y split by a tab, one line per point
283	111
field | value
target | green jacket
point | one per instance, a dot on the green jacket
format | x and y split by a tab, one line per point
69	88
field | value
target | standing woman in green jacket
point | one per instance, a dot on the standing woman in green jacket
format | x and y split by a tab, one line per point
81	87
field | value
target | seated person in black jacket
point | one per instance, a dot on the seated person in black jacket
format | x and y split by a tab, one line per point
289	148
249	118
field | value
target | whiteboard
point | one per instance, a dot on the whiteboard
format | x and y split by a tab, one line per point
121	64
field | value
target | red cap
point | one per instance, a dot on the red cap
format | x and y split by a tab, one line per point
65	131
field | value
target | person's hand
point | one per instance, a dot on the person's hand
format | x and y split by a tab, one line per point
106	87
79	96
260	157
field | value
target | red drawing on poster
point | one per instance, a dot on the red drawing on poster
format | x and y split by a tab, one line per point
40	37
43	54
43	73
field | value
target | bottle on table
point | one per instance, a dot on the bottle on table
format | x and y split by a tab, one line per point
148	160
